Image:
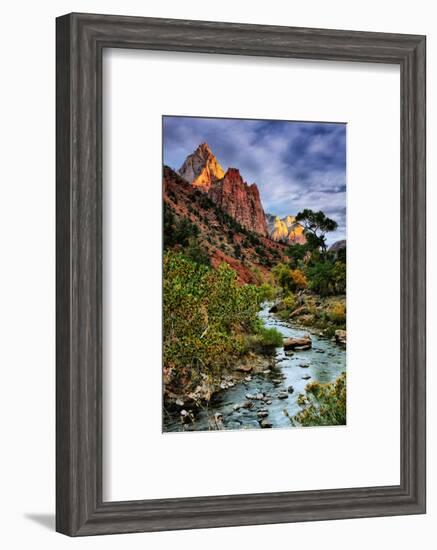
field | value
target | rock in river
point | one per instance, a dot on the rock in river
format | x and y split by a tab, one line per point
301	344
340	337
290	389
283	395
265	423
257	396
186	416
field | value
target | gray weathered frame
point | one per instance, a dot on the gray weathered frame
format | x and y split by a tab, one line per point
80	39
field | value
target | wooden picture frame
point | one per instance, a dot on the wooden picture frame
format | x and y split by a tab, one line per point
80	39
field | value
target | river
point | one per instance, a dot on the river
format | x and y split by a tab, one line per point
324	363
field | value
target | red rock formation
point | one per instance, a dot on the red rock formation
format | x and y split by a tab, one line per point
240	200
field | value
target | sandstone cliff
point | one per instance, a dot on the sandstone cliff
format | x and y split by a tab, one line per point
201	168
285	230
240	200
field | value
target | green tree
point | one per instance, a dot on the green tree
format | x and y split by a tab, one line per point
282	275
339	274
322	278
296	253
288	279
316	225
177	231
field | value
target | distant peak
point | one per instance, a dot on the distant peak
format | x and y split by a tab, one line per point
201	168
204	148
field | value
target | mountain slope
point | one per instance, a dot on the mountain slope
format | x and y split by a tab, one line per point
220	236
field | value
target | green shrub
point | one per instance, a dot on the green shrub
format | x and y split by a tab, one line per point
270	337
337	313
196	253
268	292
289	302
323	404
282	275
206	316
177	231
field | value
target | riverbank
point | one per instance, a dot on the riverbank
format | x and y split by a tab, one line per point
266	393
241	370
322	314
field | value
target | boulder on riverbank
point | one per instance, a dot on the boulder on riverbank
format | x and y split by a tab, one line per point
301	344
244	368
299	311
340	337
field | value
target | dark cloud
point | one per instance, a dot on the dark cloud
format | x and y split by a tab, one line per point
296	165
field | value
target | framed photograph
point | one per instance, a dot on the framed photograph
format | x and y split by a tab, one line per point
240	274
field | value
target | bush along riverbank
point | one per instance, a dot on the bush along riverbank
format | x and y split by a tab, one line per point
212	334
327	315
322	404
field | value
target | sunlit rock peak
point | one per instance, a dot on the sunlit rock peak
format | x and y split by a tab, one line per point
201	168
285	229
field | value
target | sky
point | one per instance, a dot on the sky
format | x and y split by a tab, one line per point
295	165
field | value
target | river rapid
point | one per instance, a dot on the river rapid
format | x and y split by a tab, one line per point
288	375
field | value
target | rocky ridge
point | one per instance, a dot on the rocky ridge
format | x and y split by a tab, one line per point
285	230
240	200
228	190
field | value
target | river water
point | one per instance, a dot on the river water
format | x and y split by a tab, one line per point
324	363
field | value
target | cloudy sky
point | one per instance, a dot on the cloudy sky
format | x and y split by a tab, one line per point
296	165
